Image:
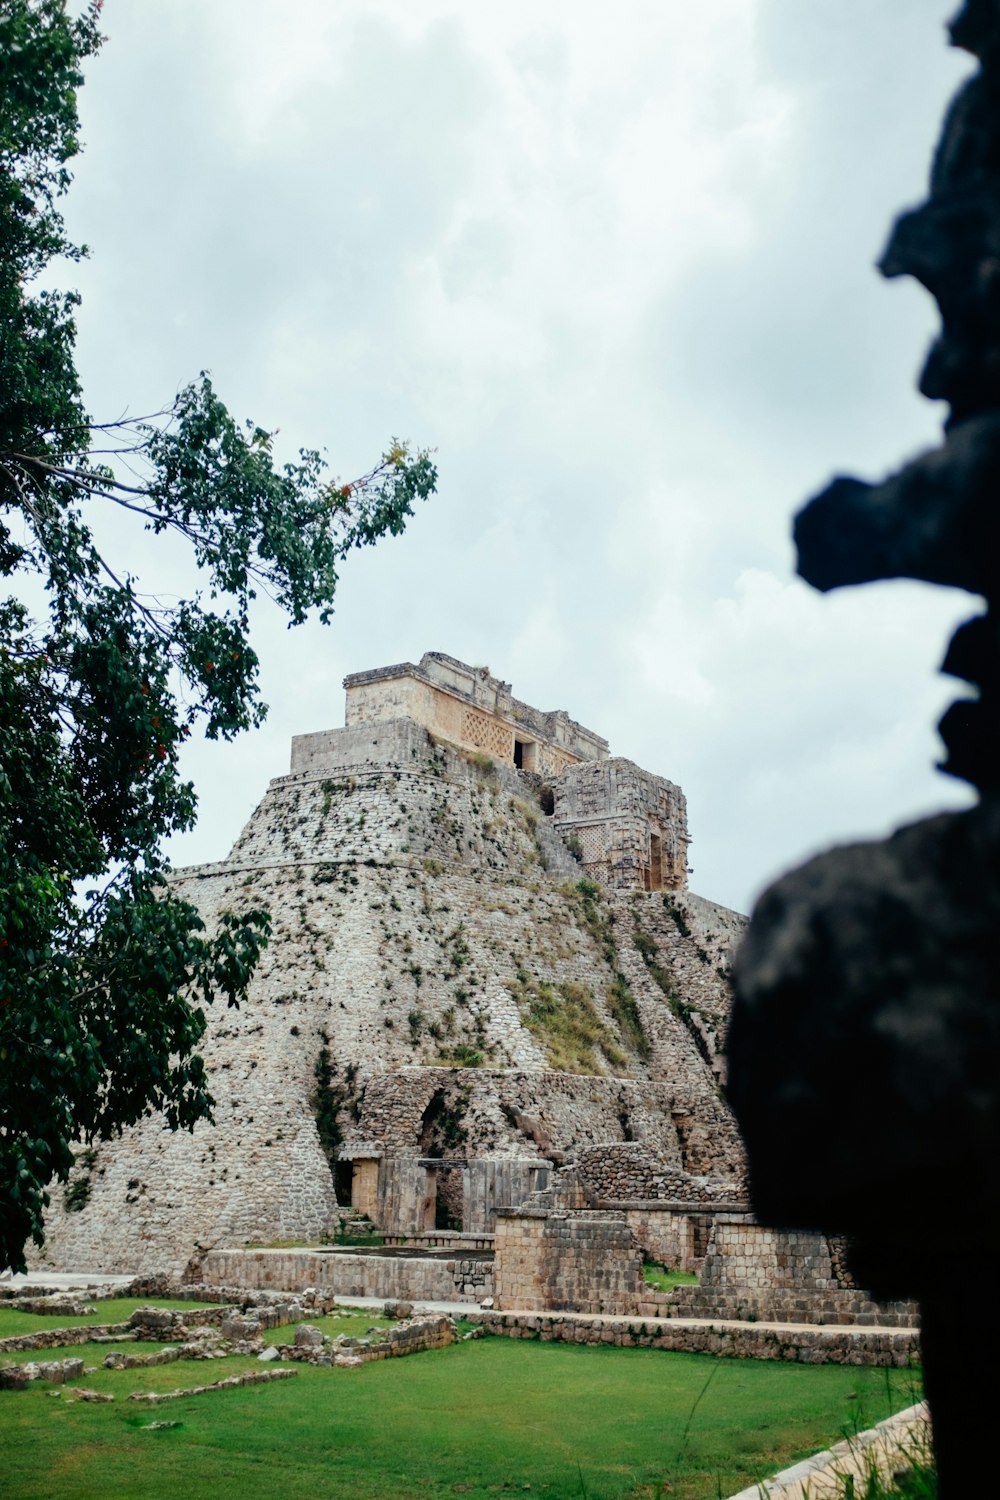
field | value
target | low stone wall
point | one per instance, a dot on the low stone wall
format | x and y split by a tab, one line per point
840	1306
59	1338
222	1298
229	1383
415	1336
50	1307
55	1371
578	1262
812	1346
410	1278
774	1275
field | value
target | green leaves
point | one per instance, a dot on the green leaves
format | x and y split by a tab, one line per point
41	52
98	1021
251	524
103	972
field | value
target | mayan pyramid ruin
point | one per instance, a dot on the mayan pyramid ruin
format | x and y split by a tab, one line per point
485	967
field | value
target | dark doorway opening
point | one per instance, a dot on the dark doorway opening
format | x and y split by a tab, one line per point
343	1182
445	1216
526	755
443	1134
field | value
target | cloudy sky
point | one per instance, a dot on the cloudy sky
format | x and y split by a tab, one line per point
614	263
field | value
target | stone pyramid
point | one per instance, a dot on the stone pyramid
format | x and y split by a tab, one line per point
484	954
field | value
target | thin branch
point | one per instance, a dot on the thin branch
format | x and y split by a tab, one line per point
122	421
117	452
126	588
78	476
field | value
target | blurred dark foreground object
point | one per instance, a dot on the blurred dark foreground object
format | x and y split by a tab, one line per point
864	1050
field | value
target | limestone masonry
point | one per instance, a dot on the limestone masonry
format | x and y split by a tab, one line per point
487	981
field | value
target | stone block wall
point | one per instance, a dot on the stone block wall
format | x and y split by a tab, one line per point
676	1235
776	1275
808	1346
459	1278
582	1262
747	1255
473	709
631	826
388	742
623	1171
618	1170
673	1225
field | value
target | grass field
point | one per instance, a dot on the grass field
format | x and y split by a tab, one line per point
484	1418
662	1279
120	1309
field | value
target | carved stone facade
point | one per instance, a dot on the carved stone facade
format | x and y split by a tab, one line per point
630	827
625	827
469	707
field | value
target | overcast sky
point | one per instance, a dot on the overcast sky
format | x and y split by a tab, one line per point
614	263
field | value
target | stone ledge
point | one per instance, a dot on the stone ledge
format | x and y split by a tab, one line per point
414	1278
825	1474
796	1343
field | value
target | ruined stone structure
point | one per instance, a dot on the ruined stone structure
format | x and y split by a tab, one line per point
472	709
626	828
460	1276
770	1275
629	828
583	1262
452	1006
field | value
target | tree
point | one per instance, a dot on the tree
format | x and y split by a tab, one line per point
104	973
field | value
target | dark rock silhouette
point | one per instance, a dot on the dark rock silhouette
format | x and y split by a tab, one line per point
864	1050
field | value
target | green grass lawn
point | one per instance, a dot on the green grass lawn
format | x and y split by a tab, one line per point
109	1310
663	1279
481	1418
349	1321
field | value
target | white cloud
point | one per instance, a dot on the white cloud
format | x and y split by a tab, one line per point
614	264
